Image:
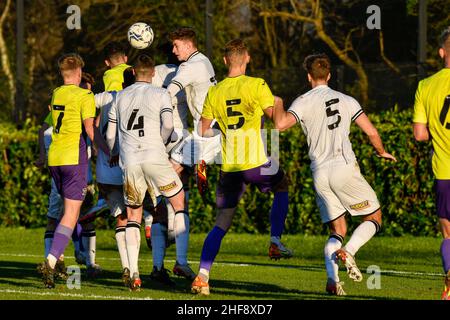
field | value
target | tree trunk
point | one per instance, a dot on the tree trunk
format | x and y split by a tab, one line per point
6	65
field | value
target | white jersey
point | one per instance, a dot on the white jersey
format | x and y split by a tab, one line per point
325	116
195	75
137	112
164	73
105	173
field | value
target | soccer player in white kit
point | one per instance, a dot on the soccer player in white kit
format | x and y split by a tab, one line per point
195	75
143	115
325	116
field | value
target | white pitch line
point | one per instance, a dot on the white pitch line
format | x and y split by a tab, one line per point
73	295
241	265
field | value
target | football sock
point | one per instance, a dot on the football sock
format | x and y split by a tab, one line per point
204	274
122	247
333	243
48	240
363	233
211	247
445	252
76	238
278	213
60	241
181	227
158	244
88	238
133	240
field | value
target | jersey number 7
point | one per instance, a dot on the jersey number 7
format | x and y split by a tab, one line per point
60	117
444	112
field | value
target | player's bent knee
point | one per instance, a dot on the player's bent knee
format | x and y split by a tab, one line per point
224	218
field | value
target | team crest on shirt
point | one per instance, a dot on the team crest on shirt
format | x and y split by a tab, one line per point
168	187
360	206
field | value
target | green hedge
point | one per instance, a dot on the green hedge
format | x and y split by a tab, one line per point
405	188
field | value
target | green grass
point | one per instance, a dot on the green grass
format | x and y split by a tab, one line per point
242	269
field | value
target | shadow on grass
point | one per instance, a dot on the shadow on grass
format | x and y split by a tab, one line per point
254	290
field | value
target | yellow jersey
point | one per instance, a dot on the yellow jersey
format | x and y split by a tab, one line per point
238	104
431	107
70	106
113	78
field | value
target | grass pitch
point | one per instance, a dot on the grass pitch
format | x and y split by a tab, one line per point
410	268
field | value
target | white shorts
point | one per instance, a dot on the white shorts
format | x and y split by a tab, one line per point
113	194
193	148
341	189
156	178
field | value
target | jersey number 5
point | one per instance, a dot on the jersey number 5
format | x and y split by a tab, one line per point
232	113
444	112
331	113
139	125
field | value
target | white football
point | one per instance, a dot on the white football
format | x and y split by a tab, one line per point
140	35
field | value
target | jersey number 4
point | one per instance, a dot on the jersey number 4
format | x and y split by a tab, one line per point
331	113
444	112
139	125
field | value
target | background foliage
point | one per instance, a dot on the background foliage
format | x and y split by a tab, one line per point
405	188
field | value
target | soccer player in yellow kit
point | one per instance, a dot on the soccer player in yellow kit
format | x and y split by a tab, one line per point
72	109
237	104
432	121
116	60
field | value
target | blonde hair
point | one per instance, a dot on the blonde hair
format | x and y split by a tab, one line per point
69	63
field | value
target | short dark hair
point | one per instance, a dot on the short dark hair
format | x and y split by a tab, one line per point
235	46
444	39
184	33
318	66
128	77
87	78
144	64
113	50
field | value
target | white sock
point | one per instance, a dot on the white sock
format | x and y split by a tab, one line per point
133	240
52	261
181	226
89	242
204	274
122	247
159	232
363	233
331	266
148	218
275	240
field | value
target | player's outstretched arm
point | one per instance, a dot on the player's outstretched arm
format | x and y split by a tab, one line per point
421	132
366	125
283	120
205	128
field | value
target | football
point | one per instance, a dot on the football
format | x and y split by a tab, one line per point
140	35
